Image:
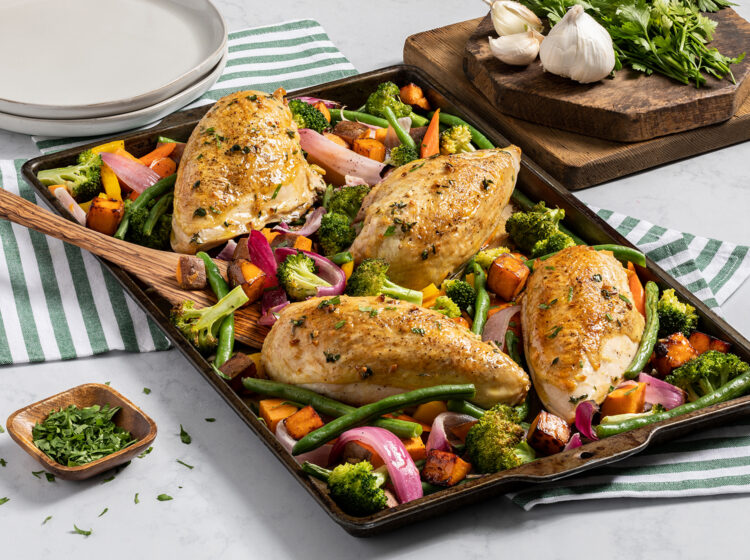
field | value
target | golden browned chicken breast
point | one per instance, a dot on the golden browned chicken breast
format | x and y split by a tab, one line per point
242	168
429	217
580	329
366	348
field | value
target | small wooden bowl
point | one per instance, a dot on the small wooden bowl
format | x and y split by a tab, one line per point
129	417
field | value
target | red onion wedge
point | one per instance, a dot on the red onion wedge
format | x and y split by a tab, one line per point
261	255
661	392
401	468
227	252
313	100
497	325
575	441
311	225
317	456
69	203
352	181
391	140
269	316
585	412
133	174
326	270
440	438
342	161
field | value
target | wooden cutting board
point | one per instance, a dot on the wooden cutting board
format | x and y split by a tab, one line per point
631	107
577	161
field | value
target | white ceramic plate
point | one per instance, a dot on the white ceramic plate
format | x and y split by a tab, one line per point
70	59
112	123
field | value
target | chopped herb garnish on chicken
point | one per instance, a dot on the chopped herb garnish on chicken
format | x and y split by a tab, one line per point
370	278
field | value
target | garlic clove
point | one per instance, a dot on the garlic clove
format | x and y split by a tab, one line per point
518	49
578	48
510	18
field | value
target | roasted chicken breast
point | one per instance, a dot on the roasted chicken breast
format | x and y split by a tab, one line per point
580	328
366	348
242	168
429	217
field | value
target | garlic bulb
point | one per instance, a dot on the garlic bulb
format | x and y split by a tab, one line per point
578	48
518	49
510	18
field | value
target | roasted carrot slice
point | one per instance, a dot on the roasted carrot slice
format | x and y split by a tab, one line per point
431	140
160	152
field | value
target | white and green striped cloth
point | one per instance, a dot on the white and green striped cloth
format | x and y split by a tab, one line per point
57	302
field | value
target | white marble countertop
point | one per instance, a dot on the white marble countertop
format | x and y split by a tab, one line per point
239	502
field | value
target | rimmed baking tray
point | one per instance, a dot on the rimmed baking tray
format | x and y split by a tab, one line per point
535	183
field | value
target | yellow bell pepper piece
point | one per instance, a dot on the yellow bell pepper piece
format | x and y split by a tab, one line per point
348	268
86	205
110	147
110	182
470	279
430	294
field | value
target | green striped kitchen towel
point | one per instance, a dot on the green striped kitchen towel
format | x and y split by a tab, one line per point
292	55
710	462
57	302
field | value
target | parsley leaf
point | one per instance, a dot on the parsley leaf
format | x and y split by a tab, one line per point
4	500
77	531
164	497
184	436
142	455
103	512
46	519
135	499
210	419
146	390
191	467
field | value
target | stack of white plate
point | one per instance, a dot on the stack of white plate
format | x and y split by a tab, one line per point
88	67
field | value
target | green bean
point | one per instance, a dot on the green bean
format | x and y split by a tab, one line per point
477	137
418	120
465	407
511	344
161	187
366	118
325	405
157	211
526	204
402	135
226	329
165	140
735	388
368	412
620	252
650	333
428	488
482	302
341	258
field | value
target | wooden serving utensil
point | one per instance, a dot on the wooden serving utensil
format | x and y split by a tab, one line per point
154	268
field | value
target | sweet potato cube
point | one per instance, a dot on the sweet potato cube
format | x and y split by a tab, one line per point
507	276
320	106
700	341
412	94
104	215
191	273
719	345
302	422
337	139
252	279
461	430
274	411
303	243
415	447
443	468
427	412
241	365
370	148
548	433
672	352
629	399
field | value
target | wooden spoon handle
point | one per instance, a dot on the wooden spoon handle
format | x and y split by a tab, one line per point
20	211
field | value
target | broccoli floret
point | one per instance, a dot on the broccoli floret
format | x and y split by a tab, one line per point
297	276
461	293
675	316
346	200
401	155
706	373
158	238
497	441
526	229
456	140
370	278
446	306
335	234
201	326
82	180
487	257
387	95
554	243
307	116
356	488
